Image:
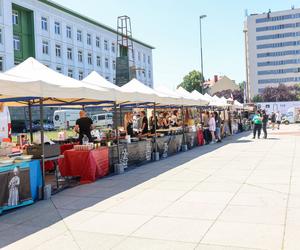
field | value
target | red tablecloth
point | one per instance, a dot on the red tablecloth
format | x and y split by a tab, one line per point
89	165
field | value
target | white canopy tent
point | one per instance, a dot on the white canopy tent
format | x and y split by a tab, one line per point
144	93
43	82
199	96
187	95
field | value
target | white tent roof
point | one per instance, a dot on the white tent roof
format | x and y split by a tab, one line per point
187	95
238	104
98	80
199	96
49	83
144	93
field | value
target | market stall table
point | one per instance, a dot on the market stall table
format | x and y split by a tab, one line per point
88	165
20	184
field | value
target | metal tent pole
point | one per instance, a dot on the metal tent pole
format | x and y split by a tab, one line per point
184	146
30	121
116	129
42	145
156	153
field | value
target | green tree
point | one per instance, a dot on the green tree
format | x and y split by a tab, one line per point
192	81
257	98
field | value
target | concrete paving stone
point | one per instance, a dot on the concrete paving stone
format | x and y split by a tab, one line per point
73	218
175	185
112	223
294	201
158	195
193	210
264	187
245	235
134	243
92	241
62	242
107	203
263	199
293	216
229	187
82	203
175	229
291	237
282	180
208	197
256	215
145	207
215	247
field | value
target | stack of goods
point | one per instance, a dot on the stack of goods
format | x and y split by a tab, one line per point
87	147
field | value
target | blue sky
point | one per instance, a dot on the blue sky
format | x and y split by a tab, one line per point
172	27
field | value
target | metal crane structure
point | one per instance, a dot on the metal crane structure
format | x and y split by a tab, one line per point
125	63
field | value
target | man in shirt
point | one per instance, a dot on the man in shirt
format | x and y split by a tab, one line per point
84	125
144	119
257	121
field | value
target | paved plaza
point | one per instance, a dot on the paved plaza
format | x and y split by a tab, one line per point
242	194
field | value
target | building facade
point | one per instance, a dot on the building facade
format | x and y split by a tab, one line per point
63	40
272	49
218	84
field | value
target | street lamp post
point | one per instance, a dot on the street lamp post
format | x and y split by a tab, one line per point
201	50
247	85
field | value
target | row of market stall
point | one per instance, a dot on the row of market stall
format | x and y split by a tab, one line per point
33	84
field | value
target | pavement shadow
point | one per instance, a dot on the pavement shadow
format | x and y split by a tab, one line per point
23	222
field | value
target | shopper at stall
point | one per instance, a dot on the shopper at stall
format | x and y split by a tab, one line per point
212	127
257	121
174	119
218	126
129	124
278	119
83	127
165	121
144	128
206	133
152	123
273	120
265	119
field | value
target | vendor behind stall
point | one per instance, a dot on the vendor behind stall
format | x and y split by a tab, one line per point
152	123
144	128
129	124
84	125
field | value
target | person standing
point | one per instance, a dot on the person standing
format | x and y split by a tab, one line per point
206	132
212	127
278	119
83	126
144	119
273	120
265	119
218	127
257	121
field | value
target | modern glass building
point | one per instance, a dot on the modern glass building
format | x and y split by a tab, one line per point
64	40
273	49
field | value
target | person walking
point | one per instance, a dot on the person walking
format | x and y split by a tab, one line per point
278	119
273	120
265	119
212	127
257	121
206	132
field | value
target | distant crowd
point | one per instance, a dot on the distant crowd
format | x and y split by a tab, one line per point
260	122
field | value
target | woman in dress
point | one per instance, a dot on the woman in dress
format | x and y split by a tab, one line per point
13	186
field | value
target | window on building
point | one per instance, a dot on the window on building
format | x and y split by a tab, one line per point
45	47
139	56
105	44
70	53
80	75
89	39
57	28
79	35
70	72
144	58
1	63
98	61
149	60
113	48
114	65
44	22
107	78
98	42
15	17
1	36
17	43
69	32
149	74
90	58
106	63
80	56
59	69
114	80
58	50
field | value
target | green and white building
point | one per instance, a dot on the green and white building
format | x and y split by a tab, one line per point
64	40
